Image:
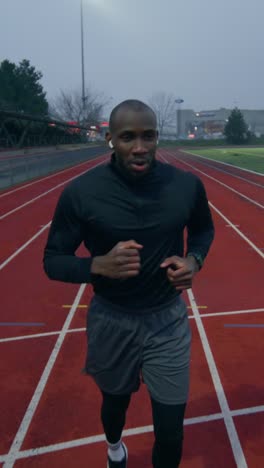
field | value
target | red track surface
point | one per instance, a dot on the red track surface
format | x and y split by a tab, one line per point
227	385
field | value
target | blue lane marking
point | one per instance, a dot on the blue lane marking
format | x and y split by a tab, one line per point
244	325
21	324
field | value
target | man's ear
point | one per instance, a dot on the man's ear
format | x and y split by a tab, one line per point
109	140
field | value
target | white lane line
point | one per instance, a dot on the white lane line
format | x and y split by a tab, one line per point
226	172
218	181
248	411
5	194
101	438
40	335
229	423
24	246
83	329
128	433
22	431
240	233
47	191
233	312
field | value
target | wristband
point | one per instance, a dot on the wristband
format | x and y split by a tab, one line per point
197	257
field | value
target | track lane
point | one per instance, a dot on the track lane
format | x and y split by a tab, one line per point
28	296
227	237
253	177
243	187
32	218
243	214
232	277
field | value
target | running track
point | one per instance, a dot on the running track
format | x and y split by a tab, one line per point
49	409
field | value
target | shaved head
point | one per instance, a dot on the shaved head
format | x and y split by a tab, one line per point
129	105
133	136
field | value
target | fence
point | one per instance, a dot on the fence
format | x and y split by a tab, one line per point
18	130
17	169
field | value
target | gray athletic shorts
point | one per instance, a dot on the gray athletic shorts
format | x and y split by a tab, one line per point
125	348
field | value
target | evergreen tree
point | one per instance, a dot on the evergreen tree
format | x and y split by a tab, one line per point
236	130
20	88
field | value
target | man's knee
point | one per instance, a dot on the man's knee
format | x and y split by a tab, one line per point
115	403
168	424
113	415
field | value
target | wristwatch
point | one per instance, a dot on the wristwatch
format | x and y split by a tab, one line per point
198	258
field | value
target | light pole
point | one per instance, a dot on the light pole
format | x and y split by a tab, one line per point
82	54
179	101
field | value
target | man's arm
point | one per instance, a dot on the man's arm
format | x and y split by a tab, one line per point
181	271
200	228
65	236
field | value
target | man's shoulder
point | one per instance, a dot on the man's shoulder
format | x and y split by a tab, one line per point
85	185
175	173
90	178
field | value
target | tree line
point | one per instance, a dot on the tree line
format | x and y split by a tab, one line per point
21	91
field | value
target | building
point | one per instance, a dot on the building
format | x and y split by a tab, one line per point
211	123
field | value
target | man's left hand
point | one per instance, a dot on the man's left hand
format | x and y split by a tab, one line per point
180	271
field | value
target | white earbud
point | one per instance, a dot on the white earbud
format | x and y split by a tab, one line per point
157	142
111	144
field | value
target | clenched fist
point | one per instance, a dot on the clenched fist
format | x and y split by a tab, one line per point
123	261
180	271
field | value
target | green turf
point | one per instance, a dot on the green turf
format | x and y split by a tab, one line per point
247	158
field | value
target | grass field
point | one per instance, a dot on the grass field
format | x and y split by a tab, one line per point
247	158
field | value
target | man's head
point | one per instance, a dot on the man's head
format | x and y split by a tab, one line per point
133	134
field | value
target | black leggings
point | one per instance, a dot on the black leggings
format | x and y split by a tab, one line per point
168	427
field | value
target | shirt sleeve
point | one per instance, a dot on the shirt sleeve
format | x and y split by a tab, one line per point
200	228
65	236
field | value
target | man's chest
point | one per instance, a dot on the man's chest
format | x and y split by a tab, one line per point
122	214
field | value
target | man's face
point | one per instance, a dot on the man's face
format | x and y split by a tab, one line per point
134	137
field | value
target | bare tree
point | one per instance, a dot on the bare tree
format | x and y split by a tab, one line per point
163	105
69	105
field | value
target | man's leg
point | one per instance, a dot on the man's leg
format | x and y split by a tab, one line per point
113	416
168	430
165	369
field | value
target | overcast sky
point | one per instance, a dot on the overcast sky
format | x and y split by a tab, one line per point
209	52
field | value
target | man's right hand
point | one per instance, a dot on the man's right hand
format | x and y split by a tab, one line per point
123	261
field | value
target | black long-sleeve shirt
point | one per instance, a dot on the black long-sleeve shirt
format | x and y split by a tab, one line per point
103	207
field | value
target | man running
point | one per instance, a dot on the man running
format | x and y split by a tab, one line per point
131	214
